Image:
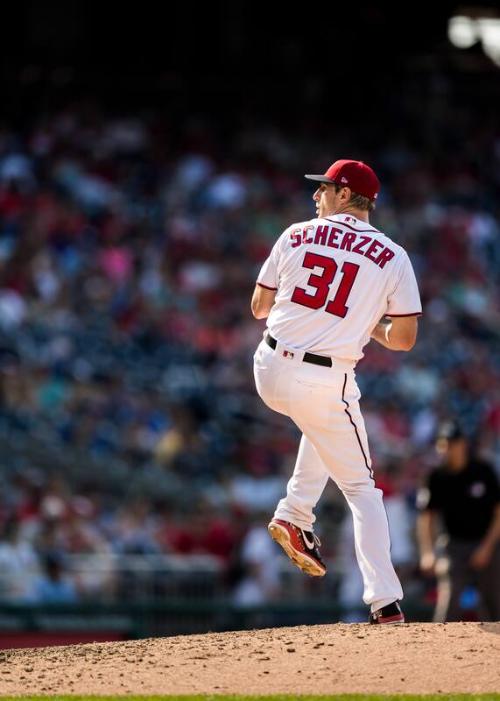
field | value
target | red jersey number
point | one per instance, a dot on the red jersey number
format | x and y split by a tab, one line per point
337	305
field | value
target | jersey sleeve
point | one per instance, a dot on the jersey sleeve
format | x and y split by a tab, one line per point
404	299
268	276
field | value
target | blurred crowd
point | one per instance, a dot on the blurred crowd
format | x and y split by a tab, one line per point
129	423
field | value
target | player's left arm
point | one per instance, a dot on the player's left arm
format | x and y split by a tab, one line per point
403	308
262	301
399	334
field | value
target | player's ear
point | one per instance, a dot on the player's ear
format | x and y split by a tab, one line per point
346	193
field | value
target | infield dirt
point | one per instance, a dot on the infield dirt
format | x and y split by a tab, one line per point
412	658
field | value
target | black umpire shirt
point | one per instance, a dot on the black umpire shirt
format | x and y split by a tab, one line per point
466	499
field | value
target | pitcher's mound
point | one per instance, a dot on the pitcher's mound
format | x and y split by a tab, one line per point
413	658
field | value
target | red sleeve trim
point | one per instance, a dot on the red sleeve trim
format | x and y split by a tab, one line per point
266	286
409	314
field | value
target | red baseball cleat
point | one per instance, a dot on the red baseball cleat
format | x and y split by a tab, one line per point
300	546
387	614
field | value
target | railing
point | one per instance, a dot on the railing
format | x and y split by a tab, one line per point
117	578
114	578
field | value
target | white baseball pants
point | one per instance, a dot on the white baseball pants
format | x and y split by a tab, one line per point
323	403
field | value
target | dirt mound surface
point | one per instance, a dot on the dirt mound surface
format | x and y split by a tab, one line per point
320	659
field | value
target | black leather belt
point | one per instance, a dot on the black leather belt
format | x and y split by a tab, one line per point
308	357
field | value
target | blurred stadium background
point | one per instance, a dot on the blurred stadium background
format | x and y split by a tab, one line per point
148	161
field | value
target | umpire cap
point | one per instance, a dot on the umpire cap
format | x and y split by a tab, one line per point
451	430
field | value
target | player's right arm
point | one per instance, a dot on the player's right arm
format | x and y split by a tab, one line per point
266	286
399	334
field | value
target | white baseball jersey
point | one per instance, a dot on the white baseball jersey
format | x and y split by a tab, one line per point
336	277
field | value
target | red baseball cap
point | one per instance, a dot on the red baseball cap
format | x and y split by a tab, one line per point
354	174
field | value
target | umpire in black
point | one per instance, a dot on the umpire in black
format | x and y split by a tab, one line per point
462	497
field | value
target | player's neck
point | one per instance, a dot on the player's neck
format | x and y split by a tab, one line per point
361	214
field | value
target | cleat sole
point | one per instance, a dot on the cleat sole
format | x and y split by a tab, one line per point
302	561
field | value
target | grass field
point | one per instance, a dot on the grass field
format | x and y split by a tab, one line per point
276	697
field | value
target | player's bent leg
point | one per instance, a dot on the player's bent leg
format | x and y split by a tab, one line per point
293	532
304	488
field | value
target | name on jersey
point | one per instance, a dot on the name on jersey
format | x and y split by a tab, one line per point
334	237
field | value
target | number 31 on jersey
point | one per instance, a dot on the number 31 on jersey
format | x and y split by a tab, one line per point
322	283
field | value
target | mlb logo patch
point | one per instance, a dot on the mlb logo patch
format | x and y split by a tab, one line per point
287	354
477	489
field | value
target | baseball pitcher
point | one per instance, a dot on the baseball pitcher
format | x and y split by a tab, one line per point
323	289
